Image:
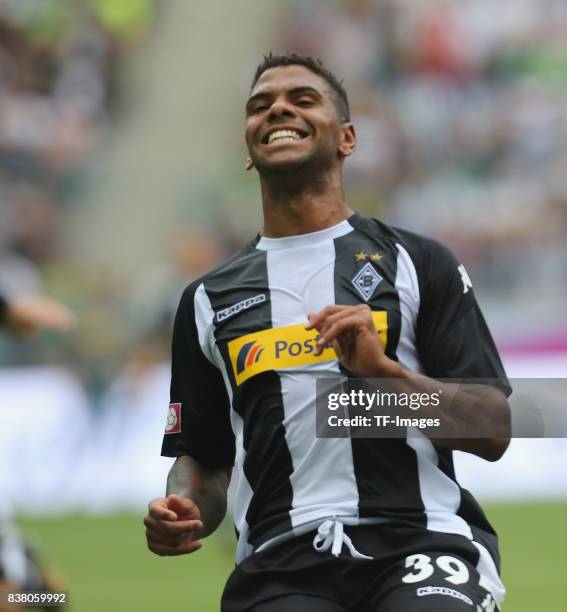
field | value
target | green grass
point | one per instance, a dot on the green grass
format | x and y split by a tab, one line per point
533	542
109	568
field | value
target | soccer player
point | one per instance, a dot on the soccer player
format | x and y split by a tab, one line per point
21	567
327	524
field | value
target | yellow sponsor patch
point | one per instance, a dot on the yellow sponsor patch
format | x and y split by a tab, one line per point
284	347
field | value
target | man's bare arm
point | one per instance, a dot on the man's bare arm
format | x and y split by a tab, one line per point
206	487
483	409
479	408
30	314
194	507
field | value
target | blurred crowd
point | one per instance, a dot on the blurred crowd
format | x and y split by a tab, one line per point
461	116
61	75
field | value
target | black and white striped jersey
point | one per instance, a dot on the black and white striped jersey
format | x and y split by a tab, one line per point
244	372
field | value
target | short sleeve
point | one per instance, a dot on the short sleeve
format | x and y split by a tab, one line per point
452	337
199	413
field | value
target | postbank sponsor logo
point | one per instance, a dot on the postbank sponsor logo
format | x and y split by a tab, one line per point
248	355
285	347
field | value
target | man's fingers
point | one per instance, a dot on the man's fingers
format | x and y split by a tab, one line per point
183	548
168	539
316	318
157	509
166	534
183	507
339	327
362	312
173	508
322	318
161	538
331	319
172	527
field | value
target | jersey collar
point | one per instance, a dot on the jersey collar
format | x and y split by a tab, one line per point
289	242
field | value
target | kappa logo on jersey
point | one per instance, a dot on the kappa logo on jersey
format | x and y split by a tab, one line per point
284	347
467	283
173	420
226	313
249	354
366	281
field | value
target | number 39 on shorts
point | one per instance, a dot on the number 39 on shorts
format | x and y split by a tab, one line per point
454	570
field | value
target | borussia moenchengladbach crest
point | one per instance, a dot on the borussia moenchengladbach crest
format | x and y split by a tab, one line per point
366	281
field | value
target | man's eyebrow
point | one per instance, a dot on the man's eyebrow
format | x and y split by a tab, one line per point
258	96
304	89
294	92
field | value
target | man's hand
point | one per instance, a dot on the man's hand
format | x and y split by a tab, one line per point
28	315
172	523
351	332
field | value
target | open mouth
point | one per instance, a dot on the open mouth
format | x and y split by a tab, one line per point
283	135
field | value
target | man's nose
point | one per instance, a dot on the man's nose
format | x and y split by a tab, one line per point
281	108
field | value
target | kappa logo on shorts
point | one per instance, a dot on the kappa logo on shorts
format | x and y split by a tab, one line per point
226	313
173	419
287	347
441	590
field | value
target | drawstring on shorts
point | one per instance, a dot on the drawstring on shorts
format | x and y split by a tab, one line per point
330	534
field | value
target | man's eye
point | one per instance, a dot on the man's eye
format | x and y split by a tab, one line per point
259	109
304	102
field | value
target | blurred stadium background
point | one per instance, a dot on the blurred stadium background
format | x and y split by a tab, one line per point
122	178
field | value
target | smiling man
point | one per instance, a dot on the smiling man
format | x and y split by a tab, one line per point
327	524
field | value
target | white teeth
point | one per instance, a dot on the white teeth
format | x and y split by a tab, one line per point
283	135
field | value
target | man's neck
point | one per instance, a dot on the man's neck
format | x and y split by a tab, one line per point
293	206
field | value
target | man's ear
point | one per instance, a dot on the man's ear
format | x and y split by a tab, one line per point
249	164
347	143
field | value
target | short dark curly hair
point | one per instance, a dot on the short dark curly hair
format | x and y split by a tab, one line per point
316	66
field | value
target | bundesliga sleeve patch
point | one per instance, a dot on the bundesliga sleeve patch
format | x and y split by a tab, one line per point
173	420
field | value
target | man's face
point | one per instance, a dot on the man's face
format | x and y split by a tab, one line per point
291	121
